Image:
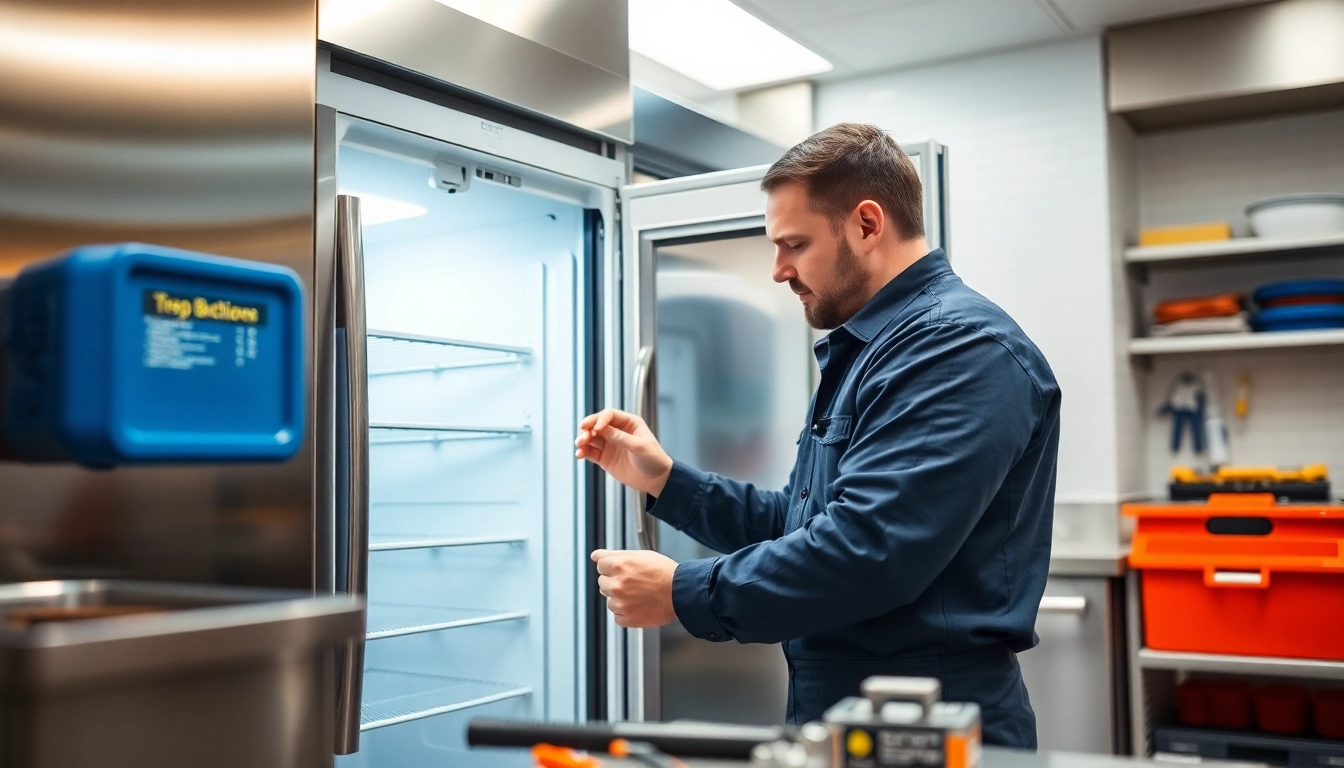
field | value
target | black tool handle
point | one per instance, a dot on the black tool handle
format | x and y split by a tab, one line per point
732	742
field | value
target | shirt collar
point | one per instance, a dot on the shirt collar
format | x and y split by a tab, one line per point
895	295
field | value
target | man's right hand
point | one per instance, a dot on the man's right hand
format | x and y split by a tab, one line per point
623	445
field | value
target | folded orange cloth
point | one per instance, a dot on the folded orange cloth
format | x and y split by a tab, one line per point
1222	305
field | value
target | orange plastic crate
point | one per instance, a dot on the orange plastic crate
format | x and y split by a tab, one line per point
1275	593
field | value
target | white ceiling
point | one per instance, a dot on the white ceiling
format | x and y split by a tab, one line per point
860	36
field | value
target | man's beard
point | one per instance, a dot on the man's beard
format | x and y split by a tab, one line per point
844	299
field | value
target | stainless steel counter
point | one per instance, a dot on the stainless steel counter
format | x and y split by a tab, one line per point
1073	561
993	758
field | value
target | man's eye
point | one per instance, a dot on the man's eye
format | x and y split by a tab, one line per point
796	246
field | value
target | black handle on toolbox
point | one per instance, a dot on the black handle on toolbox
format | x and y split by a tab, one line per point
678	739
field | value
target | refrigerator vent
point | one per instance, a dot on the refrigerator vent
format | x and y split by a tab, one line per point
397	697
391	620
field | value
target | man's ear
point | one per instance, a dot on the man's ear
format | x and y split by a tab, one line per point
872	222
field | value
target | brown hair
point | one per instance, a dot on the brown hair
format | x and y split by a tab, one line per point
848	163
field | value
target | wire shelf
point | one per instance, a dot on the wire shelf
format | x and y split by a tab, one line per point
396	433
388	542
393	352
398	697
392	620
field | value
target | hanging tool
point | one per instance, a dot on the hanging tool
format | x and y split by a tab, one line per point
1215	429
1185	404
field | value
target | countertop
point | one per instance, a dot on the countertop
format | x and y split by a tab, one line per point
1088	561
994	757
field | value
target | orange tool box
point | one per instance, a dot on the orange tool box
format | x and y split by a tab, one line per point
1241	575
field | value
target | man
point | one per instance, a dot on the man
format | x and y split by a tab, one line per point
914	535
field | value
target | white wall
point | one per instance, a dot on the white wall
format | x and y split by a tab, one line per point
1026	131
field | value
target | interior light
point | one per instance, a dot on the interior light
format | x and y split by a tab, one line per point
717	43
375	209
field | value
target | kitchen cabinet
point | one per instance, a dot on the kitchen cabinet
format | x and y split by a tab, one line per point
1076	675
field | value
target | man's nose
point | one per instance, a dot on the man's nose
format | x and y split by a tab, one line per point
783	270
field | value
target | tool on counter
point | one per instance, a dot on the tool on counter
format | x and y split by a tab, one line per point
1309	483
551	756
899	721
1185	404
683	739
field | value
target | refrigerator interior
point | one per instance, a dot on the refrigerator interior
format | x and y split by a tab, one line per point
474	303
735	375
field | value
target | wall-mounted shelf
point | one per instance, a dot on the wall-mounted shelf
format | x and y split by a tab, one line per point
397	697
1245	665
1233	341
394	433
389	542
394	352
1236	247
390	620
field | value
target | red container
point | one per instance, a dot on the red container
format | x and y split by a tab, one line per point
1272	586
1192	703
1327	706
1281	708
1229	703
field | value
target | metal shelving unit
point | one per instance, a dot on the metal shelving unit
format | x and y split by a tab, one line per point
392	542
1246	665
1232	341
394	433
392	697
394	352
392	620
1234	248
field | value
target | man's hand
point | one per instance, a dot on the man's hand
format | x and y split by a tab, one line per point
638	586
623	445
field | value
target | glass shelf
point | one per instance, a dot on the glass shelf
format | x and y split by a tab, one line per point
398	697
394	433
387	542
391	620
393	352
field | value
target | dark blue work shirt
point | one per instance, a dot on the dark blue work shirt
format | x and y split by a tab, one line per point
914	534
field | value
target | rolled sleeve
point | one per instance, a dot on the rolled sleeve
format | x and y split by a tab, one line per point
691	587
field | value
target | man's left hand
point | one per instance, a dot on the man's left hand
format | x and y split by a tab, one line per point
638	586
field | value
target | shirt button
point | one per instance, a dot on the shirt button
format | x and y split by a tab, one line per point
803	494
816	427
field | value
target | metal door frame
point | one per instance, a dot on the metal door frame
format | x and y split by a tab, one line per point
561	171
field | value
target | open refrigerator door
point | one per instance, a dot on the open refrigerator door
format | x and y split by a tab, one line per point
476	282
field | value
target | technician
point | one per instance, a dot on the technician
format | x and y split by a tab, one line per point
913	537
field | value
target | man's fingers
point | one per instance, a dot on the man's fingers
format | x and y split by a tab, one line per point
598	554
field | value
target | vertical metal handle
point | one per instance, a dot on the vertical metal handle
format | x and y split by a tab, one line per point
350	315
646	526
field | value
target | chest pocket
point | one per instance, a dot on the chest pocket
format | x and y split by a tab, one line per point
831	430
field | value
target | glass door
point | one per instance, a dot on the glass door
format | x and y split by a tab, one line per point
475	272
732	375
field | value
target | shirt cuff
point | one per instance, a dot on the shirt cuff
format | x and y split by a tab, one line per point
679	503
691	585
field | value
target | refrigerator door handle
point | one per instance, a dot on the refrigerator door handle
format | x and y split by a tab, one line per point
350	316
646	526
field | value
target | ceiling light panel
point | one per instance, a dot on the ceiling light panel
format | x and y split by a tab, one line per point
717	43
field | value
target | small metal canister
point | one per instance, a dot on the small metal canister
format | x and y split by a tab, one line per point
899	722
